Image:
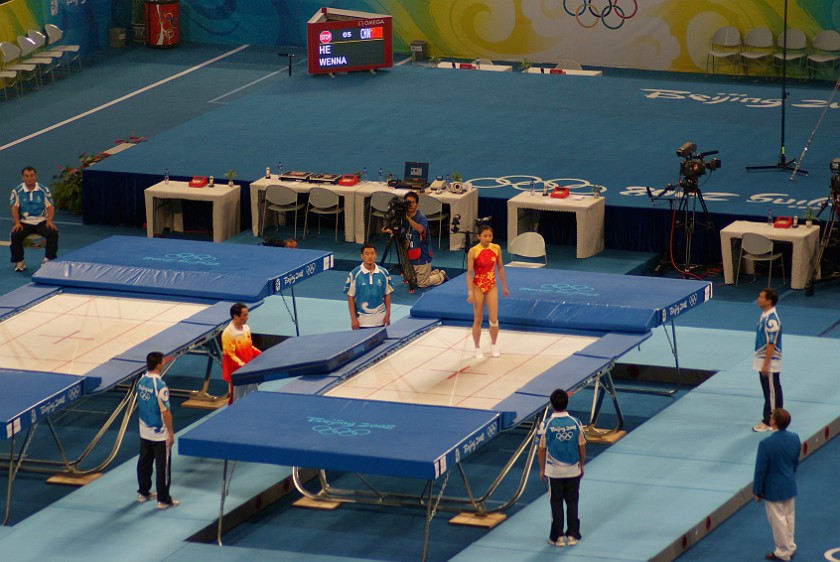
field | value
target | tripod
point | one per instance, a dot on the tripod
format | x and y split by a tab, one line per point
687	208
783	164
833	202
405	268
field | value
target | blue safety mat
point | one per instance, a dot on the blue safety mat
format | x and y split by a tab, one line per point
308	355
29	396
557	300
184	268
407	440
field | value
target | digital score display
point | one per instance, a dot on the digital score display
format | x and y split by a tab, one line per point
344	41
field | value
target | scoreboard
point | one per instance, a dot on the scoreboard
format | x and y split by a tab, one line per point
344	41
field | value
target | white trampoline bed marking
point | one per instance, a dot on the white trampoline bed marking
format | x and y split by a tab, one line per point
73	333
439	368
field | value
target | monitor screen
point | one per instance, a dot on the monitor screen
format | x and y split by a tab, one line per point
417	171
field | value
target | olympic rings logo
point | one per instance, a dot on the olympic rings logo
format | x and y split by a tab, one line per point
611	14
340	431
831	555
188	257
524	182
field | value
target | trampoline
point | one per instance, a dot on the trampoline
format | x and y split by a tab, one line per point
87	321
410	400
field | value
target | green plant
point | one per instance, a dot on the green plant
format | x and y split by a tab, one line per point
435	60
809	214
525	65
456	176
230	175
67	184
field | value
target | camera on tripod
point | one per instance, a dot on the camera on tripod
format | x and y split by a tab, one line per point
693	166
396	213
834	166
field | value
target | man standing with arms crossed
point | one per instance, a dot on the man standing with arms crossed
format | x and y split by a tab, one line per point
368	289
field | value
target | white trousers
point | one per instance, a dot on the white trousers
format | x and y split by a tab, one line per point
780	515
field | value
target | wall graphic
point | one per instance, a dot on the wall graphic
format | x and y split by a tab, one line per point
646	34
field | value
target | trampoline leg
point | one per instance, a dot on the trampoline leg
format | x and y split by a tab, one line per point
9	483
428	520
222	504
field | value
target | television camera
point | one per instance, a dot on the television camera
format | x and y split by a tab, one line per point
834	166
395	214
478	223
694	165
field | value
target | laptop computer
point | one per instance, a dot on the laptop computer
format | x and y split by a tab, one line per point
415	176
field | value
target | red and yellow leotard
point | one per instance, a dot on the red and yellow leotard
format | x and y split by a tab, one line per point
484	265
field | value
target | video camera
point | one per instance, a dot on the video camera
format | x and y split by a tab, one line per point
396	213
478	223
694	165
834	166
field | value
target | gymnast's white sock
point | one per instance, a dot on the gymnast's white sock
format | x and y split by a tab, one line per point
494	350
478	353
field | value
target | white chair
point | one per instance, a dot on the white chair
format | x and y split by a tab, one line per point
9	79
826	53
757	248
527	245
280	199
725	48
71	52
568	65
757	52
10	61
46	65
379	202
432	209
40	41
322	202
792	52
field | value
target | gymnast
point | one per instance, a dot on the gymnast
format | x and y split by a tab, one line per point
483	260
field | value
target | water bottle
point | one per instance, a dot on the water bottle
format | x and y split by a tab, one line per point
770	217
381	176
211	182
267	173
364	174
279	169
477	64
532	187
448	180
166	175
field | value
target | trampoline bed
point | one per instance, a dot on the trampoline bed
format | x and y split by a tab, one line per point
420	375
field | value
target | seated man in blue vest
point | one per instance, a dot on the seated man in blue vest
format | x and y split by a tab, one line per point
32	213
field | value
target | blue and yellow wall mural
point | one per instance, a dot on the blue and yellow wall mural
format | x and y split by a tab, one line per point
645	34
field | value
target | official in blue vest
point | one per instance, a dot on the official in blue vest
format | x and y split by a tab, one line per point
775	482
32	210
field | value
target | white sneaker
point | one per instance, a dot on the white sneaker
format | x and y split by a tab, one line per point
143	499
559	542
478	353
762	427
571	541
20	266
172	503
45	260
494	351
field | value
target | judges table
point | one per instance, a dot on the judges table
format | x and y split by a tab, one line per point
804	239
345	193
163	207
589	216
464	204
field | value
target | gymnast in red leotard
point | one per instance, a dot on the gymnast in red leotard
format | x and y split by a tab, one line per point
483	261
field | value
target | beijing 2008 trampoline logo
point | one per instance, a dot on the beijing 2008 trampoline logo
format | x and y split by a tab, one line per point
611	13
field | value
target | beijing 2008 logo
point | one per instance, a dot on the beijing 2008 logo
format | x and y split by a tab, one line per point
325	36
608	12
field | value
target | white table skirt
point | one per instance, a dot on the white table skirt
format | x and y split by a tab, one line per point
589	216
225	201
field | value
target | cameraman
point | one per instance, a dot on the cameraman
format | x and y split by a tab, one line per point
419	254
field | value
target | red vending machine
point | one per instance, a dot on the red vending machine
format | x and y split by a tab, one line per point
162	23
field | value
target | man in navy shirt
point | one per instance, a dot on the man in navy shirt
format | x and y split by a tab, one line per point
775	483
32	211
